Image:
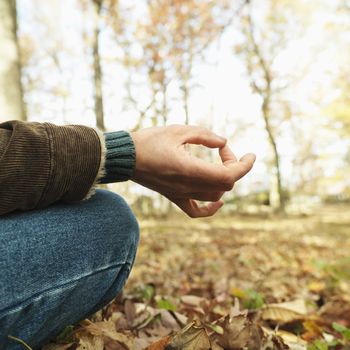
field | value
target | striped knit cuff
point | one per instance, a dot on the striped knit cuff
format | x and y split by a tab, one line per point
120	157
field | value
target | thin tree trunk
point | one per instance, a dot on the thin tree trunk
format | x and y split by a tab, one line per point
11	91
276	191
277	199
186	81
164	104
98	95
185	102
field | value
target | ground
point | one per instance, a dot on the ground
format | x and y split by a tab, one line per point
225	276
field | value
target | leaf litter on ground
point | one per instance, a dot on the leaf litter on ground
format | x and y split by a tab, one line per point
240	283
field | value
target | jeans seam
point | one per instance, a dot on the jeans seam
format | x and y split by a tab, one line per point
10	309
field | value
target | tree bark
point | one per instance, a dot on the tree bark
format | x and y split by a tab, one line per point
277	199
11	91
185	103
98	75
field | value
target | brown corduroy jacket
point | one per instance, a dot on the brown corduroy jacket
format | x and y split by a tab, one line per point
44	163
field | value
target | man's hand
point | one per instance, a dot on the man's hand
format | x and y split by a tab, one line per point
164	165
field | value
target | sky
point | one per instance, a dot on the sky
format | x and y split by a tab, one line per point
223	98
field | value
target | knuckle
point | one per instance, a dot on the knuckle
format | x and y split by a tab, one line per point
176	128
199	130
205	132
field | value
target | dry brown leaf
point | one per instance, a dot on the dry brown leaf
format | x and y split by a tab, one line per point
160	344
169	321
52	346
114	345
89	342
291	340
285	312
192	300
130	311
337	310
313	330
240	333
192	337
106	329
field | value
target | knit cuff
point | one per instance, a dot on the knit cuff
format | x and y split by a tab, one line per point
120	157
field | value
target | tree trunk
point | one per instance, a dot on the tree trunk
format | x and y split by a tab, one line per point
277	199
165	103
98	95
11	92
185	103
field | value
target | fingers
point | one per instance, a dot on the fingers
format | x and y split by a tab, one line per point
217	177
242	167
227	156
202	136
237	169
205	196
193	210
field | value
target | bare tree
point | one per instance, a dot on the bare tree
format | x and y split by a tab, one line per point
11	92
264	37
339	108
173	37
97	70
93	9
195	25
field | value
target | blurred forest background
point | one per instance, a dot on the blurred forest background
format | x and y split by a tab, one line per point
273	76
274	72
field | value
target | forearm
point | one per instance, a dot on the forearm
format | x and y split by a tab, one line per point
43	163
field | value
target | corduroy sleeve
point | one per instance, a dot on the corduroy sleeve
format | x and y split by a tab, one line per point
43	163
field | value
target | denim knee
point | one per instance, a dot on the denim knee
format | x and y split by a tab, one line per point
122	223
72	260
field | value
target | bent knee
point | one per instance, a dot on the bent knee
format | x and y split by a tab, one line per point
119	225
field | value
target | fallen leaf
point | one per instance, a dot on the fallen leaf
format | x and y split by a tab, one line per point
89	342
160	344
240	333
106	329
192	300
312	330
284	312
52	346
336	310
130	311
192	337
294	342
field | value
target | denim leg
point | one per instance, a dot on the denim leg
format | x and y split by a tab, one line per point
60	264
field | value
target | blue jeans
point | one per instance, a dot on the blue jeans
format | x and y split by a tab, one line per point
61	264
